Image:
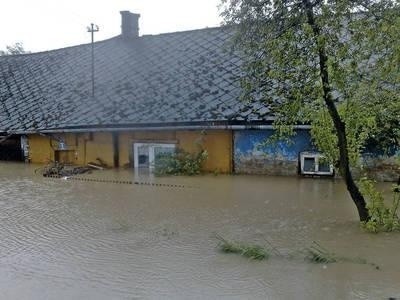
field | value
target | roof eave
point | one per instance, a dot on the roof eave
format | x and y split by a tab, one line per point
210	125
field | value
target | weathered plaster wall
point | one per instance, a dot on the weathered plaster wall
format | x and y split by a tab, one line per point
40	150
218	144
100	146
249	157
253	156
382	168
381	163
87	147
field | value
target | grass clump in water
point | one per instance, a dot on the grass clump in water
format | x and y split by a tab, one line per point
318	254
247	250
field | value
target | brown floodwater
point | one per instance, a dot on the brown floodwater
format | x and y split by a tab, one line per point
70	239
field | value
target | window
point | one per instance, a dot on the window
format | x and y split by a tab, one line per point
314	164
145	154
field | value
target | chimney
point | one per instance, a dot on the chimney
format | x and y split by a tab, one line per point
129	24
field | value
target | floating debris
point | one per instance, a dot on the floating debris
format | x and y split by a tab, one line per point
99	165
56	169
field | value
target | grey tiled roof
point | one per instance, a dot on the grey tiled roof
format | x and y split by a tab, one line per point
182	77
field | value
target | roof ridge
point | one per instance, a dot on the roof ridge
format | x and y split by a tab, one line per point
187	31
56	50
115	38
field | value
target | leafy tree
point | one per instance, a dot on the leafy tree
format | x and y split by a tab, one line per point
17	48
331	64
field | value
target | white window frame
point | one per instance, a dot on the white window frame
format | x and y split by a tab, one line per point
316	157
151	152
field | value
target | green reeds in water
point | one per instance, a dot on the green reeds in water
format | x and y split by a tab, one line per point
314	253
251	251
318	254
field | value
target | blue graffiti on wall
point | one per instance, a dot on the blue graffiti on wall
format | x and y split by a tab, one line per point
253	143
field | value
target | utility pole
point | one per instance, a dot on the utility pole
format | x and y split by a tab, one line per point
92	29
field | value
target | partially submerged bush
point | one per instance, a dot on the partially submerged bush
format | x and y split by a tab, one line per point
382	218
179	163
251	251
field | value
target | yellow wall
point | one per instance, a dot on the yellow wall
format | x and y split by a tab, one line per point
88	147
100	146
40	150
218	144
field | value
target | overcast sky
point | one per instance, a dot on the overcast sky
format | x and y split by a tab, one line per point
49	24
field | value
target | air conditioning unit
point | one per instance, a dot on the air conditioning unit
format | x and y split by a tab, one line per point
313	163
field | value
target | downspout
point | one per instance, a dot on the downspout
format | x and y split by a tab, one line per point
233	152
85	140
115	141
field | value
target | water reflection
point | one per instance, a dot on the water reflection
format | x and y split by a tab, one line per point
76	239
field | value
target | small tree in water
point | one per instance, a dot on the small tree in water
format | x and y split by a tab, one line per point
331	64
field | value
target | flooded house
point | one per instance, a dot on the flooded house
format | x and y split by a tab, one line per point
147	94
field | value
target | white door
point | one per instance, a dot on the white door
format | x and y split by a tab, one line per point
145	154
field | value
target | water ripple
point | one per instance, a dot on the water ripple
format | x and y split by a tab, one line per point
123	241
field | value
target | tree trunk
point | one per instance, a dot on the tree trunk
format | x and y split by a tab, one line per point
340	126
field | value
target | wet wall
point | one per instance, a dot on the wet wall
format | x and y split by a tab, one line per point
249	155
381	167
381	163
252	155
82	148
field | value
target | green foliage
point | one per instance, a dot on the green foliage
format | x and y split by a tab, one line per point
387	134
182	162
322	133
361	126
382	217
332	64
179	163
251	251
17	48
282	66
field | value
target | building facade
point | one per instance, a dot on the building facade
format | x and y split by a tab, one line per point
146	94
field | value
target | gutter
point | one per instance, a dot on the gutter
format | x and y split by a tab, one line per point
163	128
